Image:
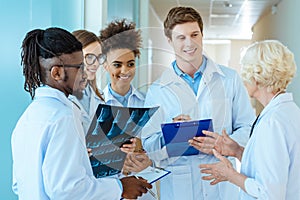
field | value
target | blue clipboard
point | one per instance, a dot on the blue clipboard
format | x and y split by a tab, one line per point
177	134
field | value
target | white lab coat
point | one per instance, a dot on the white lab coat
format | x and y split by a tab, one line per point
50	159
87	117
271	158
136	99
222	97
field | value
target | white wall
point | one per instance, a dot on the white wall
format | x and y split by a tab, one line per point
236	48
283	26
218	52
143	72
162	53
95	17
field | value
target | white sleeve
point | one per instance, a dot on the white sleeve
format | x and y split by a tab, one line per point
271	162
66	169
151	135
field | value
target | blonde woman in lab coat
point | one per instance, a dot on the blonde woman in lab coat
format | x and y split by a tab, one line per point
270	161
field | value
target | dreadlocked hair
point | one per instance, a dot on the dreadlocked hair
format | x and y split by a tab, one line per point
121	35
48	43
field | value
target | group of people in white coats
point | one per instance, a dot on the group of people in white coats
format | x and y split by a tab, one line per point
50	158
194	87
116	49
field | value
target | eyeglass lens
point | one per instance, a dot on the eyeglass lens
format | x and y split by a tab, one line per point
91	58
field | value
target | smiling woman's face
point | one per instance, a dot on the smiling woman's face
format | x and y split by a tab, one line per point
120	65
93	48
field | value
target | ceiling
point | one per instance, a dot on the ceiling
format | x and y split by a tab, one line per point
232	19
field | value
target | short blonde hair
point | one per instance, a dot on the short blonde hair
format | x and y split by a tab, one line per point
268	63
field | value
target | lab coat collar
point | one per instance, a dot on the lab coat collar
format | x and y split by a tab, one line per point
284	97
211	68
49	92
46	91
137	93
110	98
169	76
94	95
94	102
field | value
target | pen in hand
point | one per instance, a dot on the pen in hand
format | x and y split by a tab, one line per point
149	190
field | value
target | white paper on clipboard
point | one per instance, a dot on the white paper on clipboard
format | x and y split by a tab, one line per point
152	174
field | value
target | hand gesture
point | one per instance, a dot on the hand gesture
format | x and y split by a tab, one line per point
136	162
218	172
222	143
133	187
129	147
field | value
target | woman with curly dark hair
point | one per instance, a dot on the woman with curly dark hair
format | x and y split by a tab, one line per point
121	44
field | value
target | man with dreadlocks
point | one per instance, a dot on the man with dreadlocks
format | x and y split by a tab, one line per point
50	160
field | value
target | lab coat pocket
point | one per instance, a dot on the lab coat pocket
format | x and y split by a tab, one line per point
182	182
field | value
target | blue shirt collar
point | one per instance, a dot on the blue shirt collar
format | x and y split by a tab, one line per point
122	99
200	71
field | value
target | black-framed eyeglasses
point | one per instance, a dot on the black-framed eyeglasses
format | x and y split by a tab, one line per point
79	66
91	58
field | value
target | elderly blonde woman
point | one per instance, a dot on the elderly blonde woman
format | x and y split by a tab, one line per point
270	161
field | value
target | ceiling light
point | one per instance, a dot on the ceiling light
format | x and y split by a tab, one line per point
227	4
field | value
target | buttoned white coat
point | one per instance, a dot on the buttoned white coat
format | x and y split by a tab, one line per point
223	98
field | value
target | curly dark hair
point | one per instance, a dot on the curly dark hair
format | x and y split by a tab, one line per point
48	43
121	34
